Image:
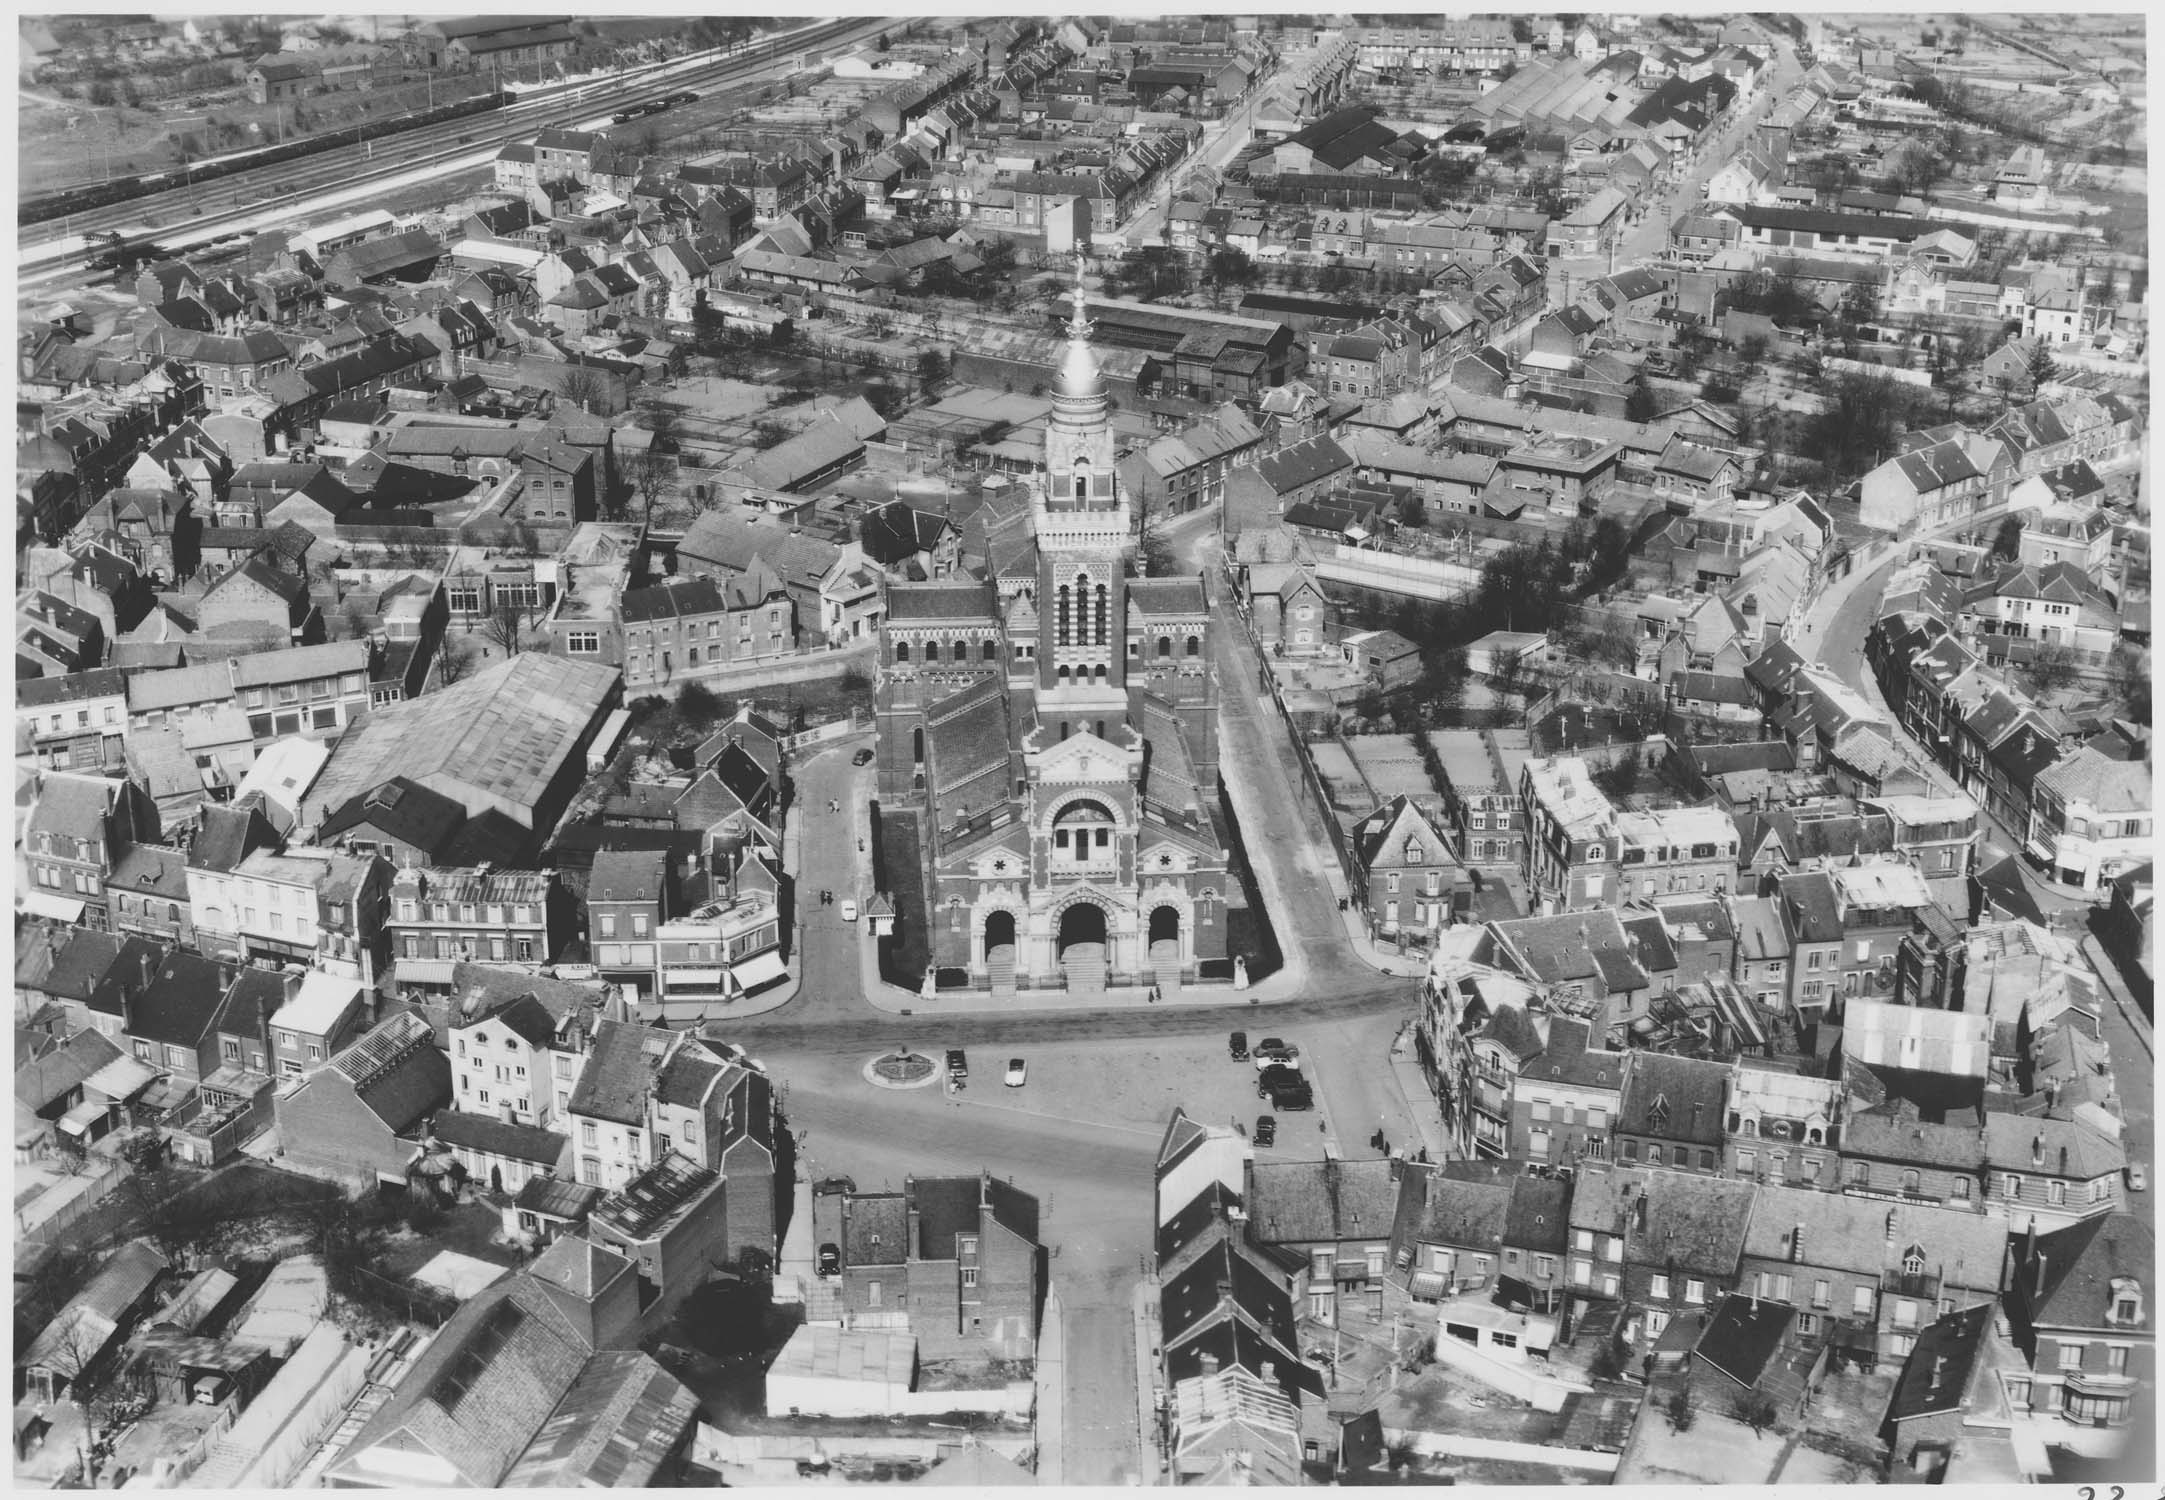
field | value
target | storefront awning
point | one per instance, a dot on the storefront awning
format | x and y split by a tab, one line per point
1429	1286
425	970
2038	849
760	970
678	979
56	908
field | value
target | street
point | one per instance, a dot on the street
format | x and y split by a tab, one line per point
1083	1133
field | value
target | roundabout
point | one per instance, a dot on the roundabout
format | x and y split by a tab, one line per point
902	1069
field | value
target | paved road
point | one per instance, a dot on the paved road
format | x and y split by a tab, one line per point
1083	1133
1834	633
1650	237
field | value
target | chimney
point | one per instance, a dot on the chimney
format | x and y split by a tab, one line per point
2063	1161
2037	1149
1939	1370
1638	1215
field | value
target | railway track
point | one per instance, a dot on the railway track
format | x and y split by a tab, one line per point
177	217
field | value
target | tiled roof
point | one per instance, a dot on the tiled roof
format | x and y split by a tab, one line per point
619	1071
1674	1098
495	1137
1296	1202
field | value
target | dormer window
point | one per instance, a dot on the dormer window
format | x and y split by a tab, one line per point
1913	1261
2126	1302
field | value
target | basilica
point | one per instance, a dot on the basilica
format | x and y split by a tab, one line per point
1055	725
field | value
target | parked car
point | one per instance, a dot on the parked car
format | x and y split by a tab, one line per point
1018	1072
862	758
829	1185
958	1066
1292	1093
1266	1130
1237	1046
849	911
1276	1054
830	1259
1275	1077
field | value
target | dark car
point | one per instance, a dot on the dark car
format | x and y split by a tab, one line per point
862	757
1272	1079
830	1259
1266	1130
1237	1046
958	1066
830	1185
1293	1094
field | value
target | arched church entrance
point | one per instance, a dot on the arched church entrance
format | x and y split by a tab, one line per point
1000	949
1164	935
1083	945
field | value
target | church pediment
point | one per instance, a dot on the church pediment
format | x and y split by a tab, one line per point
1082	759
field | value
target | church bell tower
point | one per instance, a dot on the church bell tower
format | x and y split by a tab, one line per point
1085	538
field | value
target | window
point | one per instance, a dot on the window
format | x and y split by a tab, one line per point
969	1276
586	1133
1860	1302
966	1246
2056	1194
1747	1160
1822	1294
2014	1186
1659	1287
1695	1291
2116	1357
2071	1354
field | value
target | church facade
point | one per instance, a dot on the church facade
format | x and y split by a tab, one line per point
1055	726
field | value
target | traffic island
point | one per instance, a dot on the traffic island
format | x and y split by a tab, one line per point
902	1069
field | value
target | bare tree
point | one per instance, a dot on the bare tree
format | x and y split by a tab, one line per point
664	421
652	476
506	626
455	662
583	387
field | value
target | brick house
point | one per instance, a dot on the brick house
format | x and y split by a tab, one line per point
362	1116
1448	1236
442	915
953	1260
1672	1112
1663	1243
1891	1152
1406	880
670	1222
1869	1276
171	1015
1337	1216
2078	1311
77	835
326	1014
1785	1128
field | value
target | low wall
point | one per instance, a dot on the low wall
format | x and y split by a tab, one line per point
1396	573
802	667
1522	1382
1453	1445
1837	365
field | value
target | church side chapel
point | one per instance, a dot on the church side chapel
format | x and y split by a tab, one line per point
1057	730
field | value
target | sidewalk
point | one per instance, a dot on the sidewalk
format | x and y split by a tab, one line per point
1149	1458
1051	1380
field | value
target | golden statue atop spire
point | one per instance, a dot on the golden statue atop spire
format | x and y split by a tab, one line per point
1078	327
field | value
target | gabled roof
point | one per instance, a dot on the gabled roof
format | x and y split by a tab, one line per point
1297	1202
1674	1098
2081	1264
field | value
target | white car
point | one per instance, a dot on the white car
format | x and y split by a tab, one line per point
1018	1072
849	911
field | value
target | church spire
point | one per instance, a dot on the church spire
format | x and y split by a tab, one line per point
1079	376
